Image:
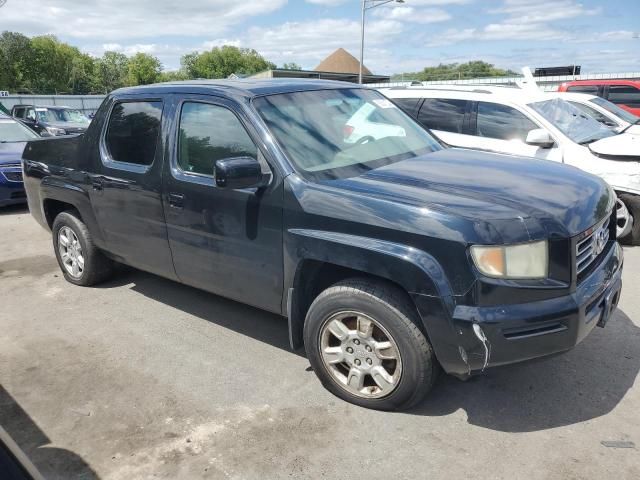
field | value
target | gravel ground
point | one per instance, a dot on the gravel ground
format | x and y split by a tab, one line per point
146	378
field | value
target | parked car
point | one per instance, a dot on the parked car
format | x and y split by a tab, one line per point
532	124
391	258
51	121
624	93
13	138
605	112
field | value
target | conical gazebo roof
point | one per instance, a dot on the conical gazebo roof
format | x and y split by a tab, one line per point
341	61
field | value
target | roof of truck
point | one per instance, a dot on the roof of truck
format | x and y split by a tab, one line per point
247	87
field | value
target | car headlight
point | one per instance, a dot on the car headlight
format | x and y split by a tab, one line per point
526	260
56	131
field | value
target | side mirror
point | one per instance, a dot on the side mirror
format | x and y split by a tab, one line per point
539	137
239	172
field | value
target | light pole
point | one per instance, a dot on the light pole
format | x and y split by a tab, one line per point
368	5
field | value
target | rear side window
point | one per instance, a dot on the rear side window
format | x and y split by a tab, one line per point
624	95
132	132
592	89
502	122
443	114
209	133
407	104
19	112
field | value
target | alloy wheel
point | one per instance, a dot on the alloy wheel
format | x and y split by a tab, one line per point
361	355
70	252
622	219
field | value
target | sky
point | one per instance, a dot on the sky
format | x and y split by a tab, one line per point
602	36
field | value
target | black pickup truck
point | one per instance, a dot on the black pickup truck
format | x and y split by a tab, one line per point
391	255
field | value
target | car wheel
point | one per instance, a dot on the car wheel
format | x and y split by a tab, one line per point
81	262
632	203
363	342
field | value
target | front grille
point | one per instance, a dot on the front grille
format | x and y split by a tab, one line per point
589	248
13	176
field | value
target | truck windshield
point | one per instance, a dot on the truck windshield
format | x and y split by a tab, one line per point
343	132
51	115
616	110
12	131
573	122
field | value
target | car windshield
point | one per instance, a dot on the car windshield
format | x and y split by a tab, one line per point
570	120
12	131
61	115
616	110
343	132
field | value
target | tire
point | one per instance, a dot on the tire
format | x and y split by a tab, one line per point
95	267
633	205
394	316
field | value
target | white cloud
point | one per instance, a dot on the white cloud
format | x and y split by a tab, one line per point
126	19
328	3
524	20
525	11
308	43
410	14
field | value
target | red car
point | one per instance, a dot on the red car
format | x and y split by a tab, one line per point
624	93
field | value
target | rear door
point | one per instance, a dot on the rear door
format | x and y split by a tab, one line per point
226	241
448	119
125	193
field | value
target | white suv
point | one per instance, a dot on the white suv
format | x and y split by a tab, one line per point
533	124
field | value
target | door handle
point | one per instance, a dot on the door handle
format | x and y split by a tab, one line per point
176	200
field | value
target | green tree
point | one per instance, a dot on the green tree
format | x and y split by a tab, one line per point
144	69
173	75
111	72
15	52
456	71
220	62
291	66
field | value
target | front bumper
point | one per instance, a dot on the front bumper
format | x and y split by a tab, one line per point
11	191
482	337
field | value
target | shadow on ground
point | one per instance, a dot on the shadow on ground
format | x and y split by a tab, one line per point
53	463
243	319
583	384
14	209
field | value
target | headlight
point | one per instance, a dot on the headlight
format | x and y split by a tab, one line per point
527	260
55	131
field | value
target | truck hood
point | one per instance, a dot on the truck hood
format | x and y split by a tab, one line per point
625	146
551	198
11	152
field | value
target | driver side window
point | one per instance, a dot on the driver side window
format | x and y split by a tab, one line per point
209	133
502	122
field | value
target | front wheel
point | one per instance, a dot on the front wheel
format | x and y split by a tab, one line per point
632	204
363	342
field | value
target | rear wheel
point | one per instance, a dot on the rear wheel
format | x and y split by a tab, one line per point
632	204
81	262
364	344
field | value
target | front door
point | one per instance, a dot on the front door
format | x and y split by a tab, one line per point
225	241
126	195
503	129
